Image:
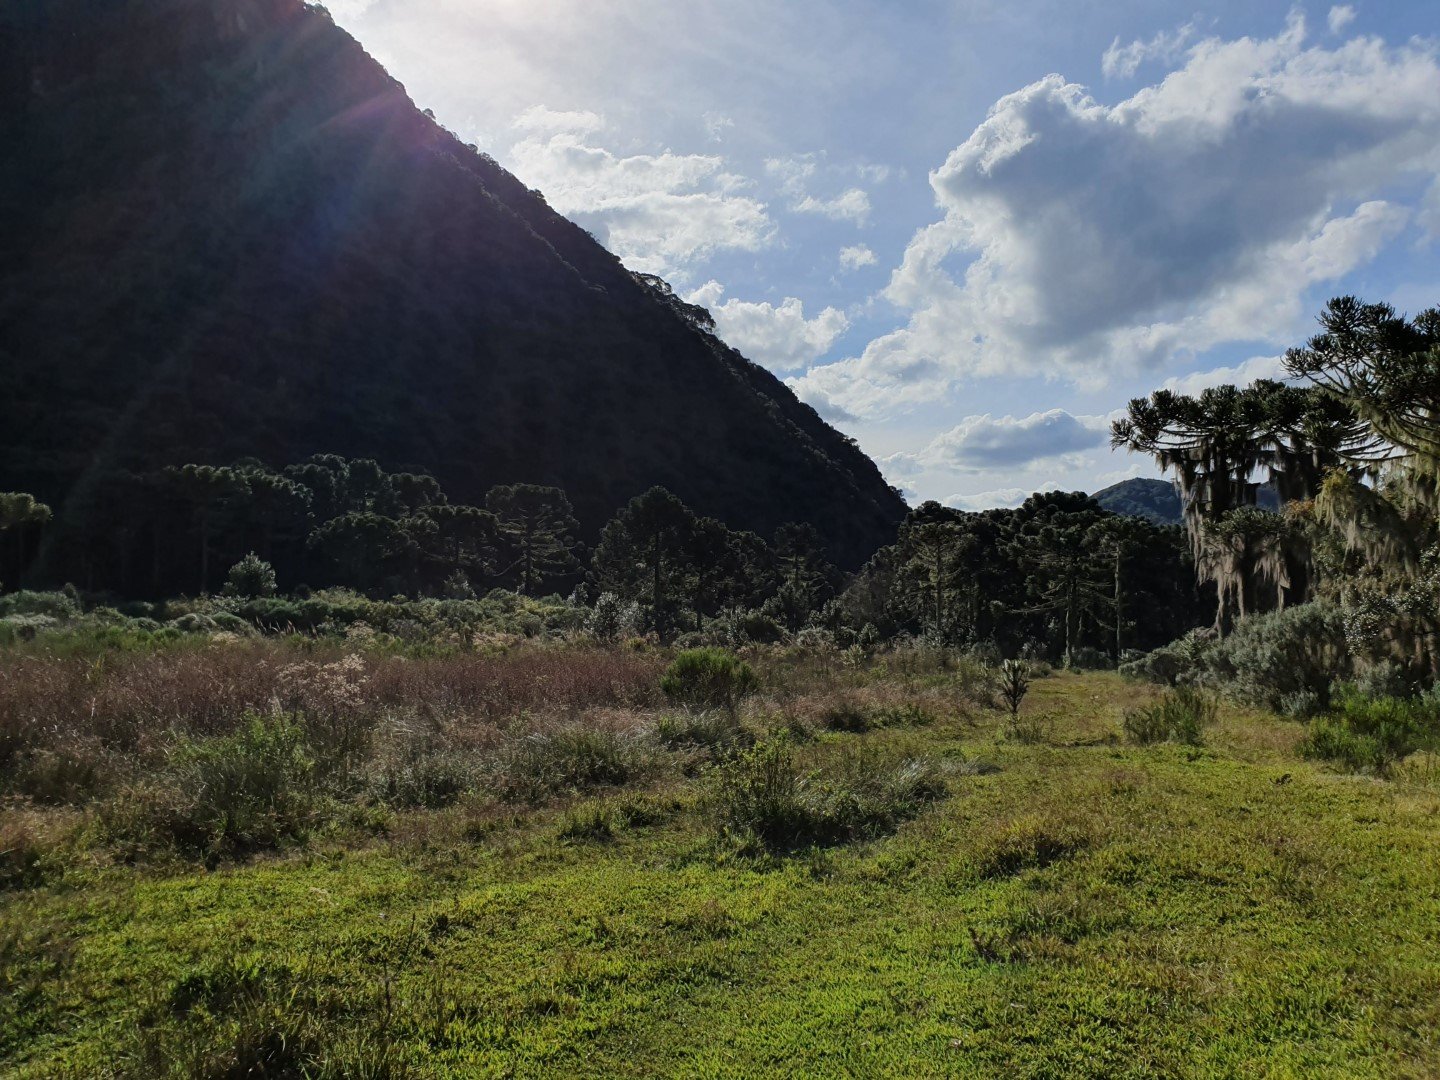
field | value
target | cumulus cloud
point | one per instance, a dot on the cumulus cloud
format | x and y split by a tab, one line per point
658	212
1084	240
779	337
854	258
1123	61
987	444
1258	367
1341	16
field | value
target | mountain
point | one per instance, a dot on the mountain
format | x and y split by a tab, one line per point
225	231
1154	500
1158	501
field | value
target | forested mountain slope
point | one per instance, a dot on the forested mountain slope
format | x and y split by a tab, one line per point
226	231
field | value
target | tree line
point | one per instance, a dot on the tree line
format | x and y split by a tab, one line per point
1057	575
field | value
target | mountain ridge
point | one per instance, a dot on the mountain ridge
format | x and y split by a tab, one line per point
232	234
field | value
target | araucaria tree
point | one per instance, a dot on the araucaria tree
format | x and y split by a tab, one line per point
536	529
642	555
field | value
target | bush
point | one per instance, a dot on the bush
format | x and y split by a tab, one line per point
760	798
1371	734
708	679
251	577
1180	661
421	775
234	794
60	606
1180	716
614	618
1088	658
1270	657
573	760
704	731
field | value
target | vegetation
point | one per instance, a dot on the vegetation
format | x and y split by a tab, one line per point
576	895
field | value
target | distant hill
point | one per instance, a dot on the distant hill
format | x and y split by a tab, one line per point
1154	500
226	231
1158	501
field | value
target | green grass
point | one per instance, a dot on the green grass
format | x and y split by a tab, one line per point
1083	908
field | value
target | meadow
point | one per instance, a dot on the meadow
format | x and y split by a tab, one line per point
267	858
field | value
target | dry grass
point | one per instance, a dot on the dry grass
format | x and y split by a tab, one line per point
72	727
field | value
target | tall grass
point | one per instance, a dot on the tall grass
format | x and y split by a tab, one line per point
73	727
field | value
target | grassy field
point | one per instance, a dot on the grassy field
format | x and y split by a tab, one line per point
1073	906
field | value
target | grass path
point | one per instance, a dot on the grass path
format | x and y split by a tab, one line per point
1087	909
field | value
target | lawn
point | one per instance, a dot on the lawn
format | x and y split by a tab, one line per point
1076	906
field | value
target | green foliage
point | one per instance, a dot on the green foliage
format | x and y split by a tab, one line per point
1371	734
574	759
1181	715
234	794
1270	657
708	678
251	577
759	796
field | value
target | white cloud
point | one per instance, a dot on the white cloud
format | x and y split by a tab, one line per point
1001	498
1096	240
1123	61
658	212
716	124
986	444
1258	367
794	174
854	258
538	119
1341	16
852	205
779	337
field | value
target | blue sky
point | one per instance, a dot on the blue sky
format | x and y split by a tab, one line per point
968	231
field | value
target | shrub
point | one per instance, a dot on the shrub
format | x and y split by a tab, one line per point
1088	658
1180	661
759	797
708	679
573	760
1269	657
706	731
60	606
237	793
1371	734
251	577
1180	716
421	775
614	618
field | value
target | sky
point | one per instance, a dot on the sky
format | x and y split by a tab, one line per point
968	231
